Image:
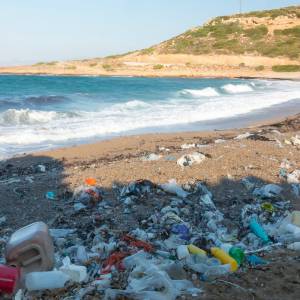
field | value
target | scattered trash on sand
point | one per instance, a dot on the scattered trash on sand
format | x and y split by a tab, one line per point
190	159
185	238
151	157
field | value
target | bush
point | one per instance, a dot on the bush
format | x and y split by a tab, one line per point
223	30
286	68
259	68
147	51
293	31
257	32
157	67
70	67
107	67
93	65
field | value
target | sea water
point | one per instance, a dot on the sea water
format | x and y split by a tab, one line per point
43	112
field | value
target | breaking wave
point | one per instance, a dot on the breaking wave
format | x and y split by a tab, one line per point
104	107
237	88
206	92
31	117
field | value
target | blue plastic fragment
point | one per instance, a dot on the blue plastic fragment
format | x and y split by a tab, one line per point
255	260
182	230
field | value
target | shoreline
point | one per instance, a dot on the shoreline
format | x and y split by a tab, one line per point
83	150
281	77
240	123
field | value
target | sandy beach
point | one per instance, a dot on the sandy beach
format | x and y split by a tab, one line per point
171	65
125	159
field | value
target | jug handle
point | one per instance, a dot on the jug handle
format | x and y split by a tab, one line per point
33	259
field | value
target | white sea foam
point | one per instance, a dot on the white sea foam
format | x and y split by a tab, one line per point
30	117
206	92
35	129
237	88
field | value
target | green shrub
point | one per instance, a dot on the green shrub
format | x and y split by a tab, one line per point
221	30
158	67
293	31
182	44
200	32
147	51
93	64
257	32
51	63
107	67
232	45
259	68
286	68
70	67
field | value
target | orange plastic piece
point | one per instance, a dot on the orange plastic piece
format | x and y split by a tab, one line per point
114	259
90	181
138	243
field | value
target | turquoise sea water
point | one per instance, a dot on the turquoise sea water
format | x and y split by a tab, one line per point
41	112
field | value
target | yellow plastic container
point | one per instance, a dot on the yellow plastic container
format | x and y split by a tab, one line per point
195	250
224	258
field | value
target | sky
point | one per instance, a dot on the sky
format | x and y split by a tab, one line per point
49	30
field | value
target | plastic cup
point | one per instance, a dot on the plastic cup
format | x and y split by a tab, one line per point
9	279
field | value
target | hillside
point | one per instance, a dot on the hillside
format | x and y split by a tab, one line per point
274	33
255	44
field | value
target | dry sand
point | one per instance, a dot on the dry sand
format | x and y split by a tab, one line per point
171	65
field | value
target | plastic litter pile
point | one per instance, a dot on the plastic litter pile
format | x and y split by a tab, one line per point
183	240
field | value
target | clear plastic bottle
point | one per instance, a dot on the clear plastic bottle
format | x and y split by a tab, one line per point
214	272
294	246
36	281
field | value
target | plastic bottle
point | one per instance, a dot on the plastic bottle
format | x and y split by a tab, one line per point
255	260
235	252
296	218
224	258
214	272
182	251
36	281
258	230
295	230
294	246
31	248
81	255
9	279
238	254
195	250
76	273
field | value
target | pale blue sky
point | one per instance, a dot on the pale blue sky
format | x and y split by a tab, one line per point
35	30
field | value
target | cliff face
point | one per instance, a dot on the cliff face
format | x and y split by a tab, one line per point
256	44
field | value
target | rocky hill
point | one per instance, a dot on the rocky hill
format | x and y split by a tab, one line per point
255	44
274	33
